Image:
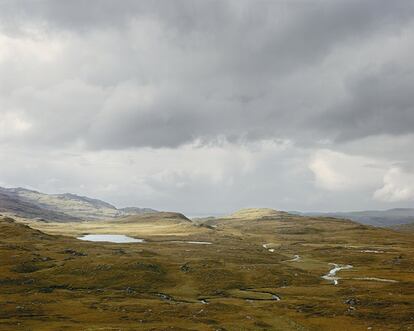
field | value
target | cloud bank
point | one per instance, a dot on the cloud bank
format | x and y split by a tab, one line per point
210	106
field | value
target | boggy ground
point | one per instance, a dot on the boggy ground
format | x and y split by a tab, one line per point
247	279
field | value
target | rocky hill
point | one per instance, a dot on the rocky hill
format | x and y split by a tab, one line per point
31	204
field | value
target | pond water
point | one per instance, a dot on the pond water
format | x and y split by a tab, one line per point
112	238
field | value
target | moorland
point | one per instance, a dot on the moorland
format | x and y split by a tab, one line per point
257	269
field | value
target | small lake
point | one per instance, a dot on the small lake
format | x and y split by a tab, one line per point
112	238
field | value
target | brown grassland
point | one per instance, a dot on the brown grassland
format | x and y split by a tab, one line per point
49	280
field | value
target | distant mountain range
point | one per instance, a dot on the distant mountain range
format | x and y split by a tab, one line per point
65	207
383	218
21	202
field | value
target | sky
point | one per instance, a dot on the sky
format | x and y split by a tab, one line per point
210	106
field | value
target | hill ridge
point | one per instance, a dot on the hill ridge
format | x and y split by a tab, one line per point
27	203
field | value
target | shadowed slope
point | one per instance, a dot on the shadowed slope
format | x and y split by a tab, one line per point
164	217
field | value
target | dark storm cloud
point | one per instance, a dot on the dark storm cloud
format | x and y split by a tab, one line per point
240	69
381	102
81	16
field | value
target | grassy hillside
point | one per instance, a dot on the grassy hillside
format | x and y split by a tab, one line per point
261	273
382	218
409	228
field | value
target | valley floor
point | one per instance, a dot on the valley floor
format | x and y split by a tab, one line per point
262	273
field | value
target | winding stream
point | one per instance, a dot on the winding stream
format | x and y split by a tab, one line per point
378	279
331	275
295	258
256	295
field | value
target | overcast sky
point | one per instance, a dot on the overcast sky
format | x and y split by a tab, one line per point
210	106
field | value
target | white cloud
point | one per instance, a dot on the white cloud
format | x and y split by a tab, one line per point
56	115
195	177
398	186
335	171
13	124
35	46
